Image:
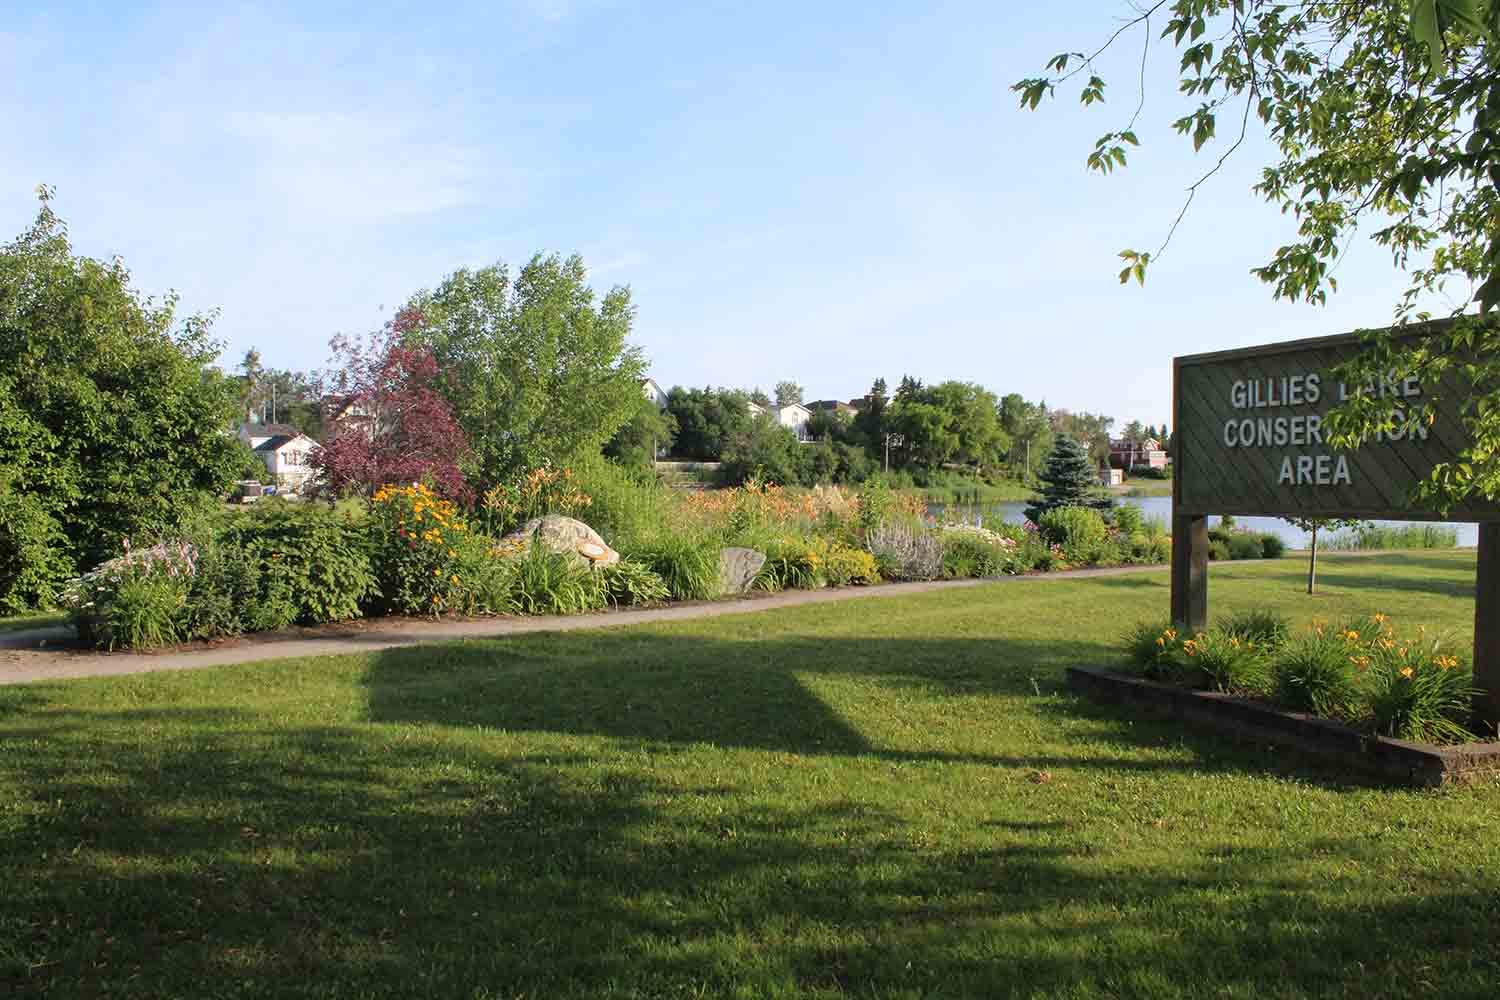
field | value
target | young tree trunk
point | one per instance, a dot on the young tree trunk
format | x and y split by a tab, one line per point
1312	562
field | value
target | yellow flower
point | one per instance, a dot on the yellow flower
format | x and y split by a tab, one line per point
1380	617
437	572
1161	642
453	578
451	553
1351	634
1406	672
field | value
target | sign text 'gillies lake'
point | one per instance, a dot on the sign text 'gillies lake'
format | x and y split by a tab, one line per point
1251	438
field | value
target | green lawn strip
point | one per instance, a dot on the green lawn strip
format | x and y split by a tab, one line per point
890	798
32	619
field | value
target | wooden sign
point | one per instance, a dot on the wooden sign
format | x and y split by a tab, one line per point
1249	438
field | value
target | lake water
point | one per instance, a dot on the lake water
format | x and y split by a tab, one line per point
1161	508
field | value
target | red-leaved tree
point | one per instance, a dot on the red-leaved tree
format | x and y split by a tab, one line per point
388	424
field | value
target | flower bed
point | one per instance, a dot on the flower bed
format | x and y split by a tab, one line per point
413	552
1364	673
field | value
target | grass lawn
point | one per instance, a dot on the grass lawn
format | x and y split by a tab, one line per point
32	619
890	797
1145	488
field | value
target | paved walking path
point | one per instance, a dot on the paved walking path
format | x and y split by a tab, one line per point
44	654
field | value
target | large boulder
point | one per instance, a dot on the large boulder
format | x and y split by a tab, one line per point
738	569
565	534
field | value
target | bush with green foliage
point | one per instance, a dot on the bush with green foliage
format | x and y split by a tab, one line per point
1313	672
1417	691
686	562
323	557
1222	661
428	561
1080	531
232	593
845	565
1272	546
34	561
965	554
792	563
629	582
1068	480
112	410
1153	647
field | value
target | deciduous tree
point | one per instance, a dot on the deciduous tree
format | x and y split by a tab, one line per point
397	428
113	419
537	369
1383	114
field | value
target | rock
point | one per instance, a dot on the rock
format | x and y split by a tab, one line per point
738	569
566	534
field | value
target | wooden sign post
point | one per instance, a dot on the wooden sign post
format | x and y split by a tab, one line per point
1248	439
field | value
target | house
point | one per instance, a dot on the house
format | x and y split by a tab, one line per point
1111	477
756	410
653	392
794	417
1125	454
834	406
286	452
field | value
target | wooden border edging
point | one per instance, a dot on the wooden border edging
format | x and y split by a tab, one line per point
1417	764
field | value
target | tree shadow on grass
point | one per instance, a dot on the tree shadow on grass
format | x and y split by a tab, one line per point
381	860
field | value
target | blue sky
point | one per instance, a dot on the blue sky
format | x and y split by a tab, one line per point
823	192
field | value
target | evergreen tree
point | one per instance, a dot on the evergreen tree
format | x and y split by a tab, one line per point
1068	480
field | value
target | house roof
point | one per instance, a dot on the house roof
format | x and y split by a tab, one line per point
836	405
276	441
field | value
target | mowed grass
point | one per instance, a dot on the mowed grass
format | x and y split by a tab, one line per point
891	797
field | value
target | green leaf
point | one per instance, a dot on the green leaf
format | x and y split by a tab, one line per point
1424	29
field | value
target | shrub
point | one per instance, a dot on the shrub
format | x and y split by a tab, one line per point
1265	629
1245	545
34	561
1313	672
1149	551
1218	551
231	592
792	564
1080	531
1129	519
1418	692
627	506
846	565
136	600
1222	661
428	562
687	563
555	583
876	503
903	552
966	554
1272	546
630	582
323	556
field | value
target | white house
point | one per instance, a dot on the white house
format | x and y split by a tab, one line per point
653	392
794	417
285	451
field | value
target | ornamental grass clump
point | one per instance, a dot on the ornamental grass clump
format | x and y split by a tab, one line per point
1264	628
1222	661
1154	647
1315	672
1415	688
687	563
531	494
555	583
